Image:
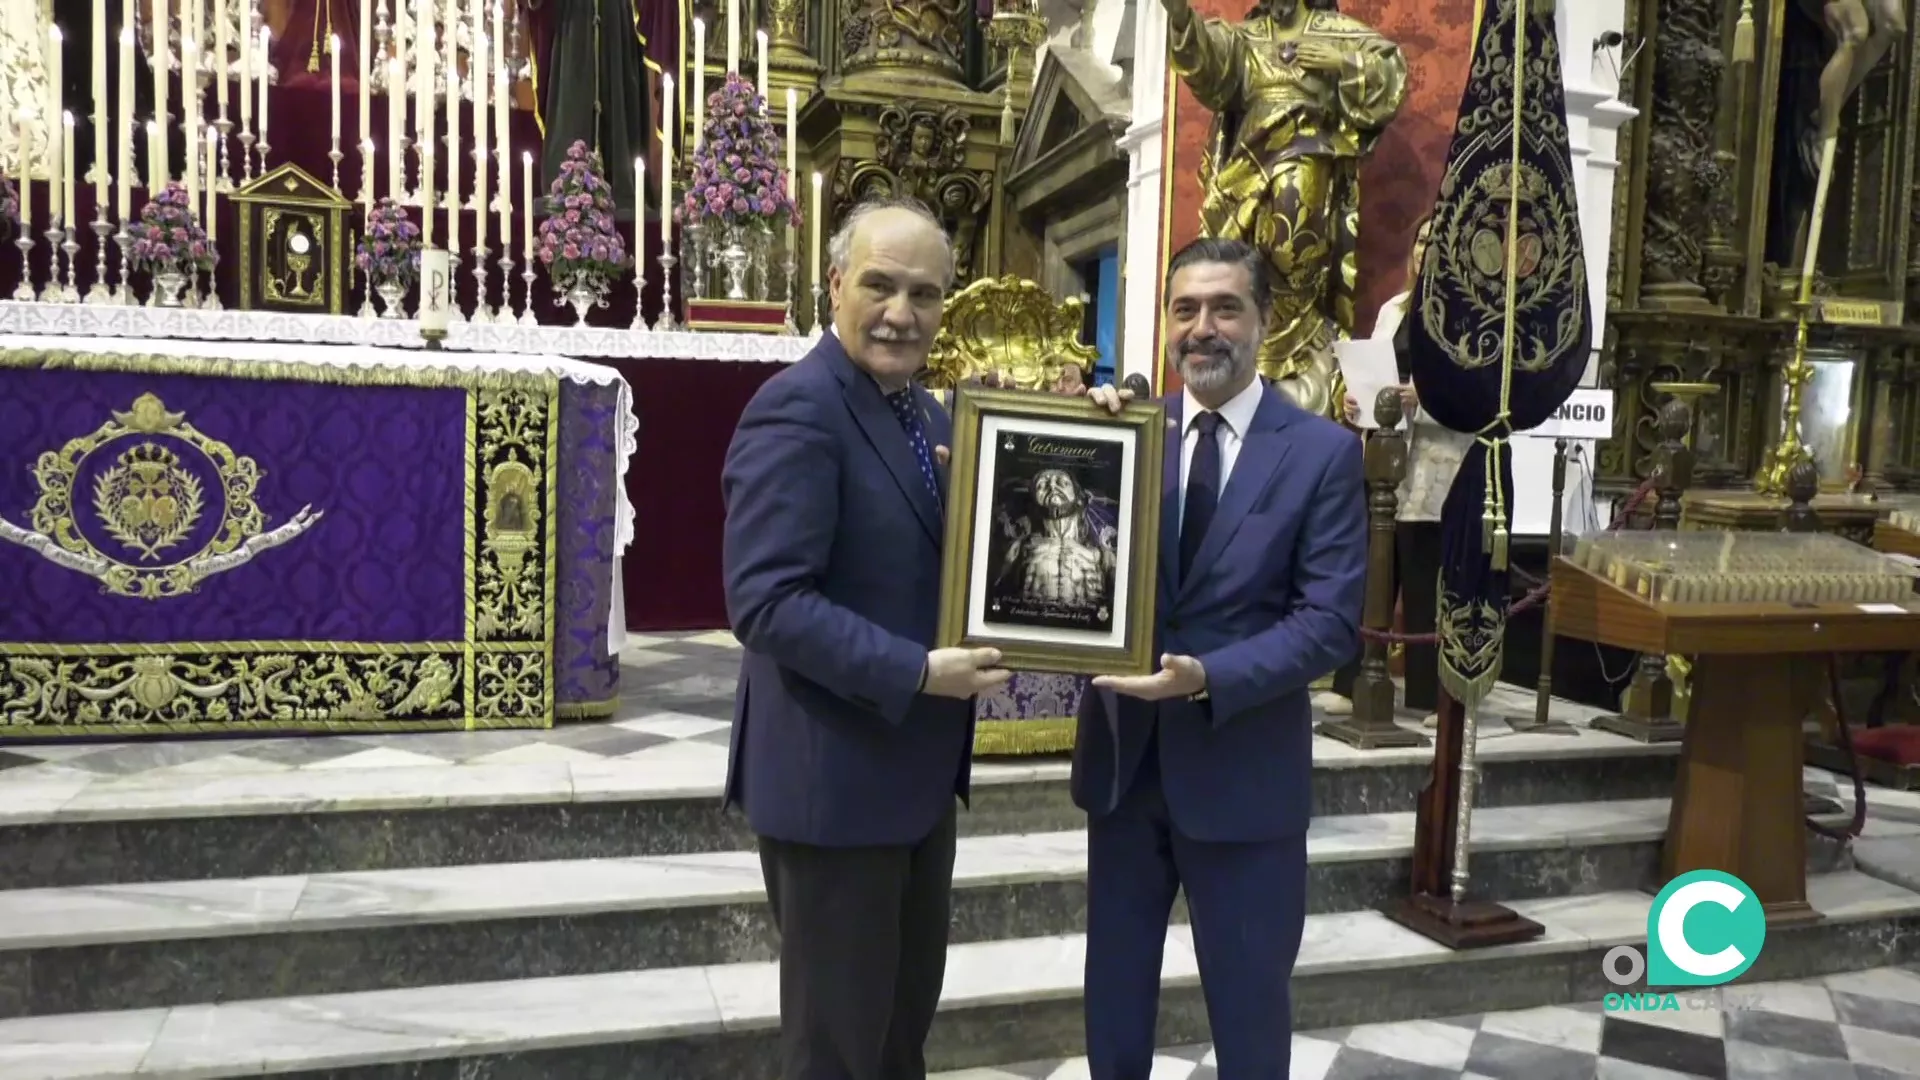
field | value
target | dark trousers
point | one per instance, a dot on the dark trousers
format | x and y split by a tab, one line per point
863	953
1247	905
1416	577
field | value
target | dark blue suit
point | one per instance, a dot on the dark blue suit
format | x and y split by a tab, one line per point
1213	795
846	772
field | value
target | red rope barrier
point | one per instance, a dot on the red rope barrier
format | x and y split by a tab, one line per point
1536	594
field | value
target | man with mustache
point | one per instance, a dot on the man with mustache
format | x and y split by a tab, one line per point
1198	777
851	737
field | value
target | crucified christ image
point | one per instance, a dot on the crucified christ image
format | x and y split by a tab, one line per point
1060	561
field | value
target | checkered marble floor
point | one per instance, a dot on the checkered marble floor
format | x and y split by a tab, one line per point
1859	1026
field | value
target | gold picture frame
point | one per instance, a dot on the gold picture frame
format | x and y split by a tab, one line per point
1032	472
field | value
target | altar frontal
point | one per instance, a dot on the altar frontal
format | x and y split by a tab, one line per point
208	543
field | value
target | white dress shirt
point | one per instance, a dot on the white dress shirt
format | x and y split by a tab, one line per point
1236	418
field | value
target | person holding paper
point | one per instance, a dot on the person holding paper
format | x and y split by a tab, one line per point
1433	457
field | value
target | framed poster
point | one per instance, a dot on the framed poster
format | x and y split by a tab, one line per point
1053	531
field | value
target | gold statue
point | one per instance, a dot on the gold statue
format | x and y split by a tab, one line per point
1299	96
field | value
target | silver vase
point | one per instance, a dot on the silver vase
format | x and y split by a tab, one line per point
585	292
735	258
392	295
167	283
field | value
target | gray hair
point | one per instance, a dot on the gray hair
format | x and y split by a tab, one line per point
840	246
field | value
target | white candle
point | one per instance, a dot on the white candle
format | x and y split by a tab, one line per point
266	65
813	226
451	59
639	207
333	70
527	204
761	40
699	82
220	43
396	127
153	154
56	205
365	94
793	144
366	190
26	183
102	120
733	37
123	182
189	52
503	154
162	64
424	86
213	190
482	137
666	161
246	66
67	178
190	160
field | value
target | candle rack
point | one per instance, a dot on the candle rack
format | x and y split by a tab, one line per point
100	293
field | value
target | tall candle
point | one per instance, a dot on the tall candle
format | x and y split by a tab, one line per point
102	121
220	43
813	226
366	73
396	127
666	160
482	137
640	207
190	160
266	57
56	175
453	137
424	126
699	82
760	37
189	54
162	64
333	70
733	37
246	65
67	178
26	183
153	154
527	204
793	142
123	180
503	154
366	190
213	189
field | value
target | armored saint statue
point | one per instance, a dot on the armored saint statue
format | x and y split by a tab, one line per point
1300	94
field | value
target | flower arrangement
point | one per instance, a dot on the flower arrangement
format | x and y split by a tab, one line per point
390	250
578	241
167	236
737	175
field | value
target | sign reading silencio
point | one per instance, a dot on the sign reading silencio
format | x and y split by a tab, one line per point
1588	414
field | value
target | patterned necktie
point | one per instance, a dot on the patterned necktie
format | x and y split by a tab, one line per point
1203	489
903	407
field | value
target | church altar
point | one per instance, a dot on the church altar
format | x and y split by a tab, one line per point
261	536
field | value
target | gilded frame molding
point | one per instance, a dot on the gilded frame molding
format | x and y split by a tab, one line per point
1147	422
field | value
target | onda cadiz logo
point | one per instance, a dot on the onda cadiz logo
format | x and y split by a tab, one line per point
1706	928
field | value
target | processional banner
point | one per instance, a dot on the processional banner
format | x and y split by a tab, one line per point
198	545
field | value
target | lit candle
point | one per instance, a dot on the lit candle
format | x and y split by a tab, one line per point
699	82
640	207
162	64
266	55
56	205
333	70
67	178
123	180
246	69
666	161
220	59
102	121
761	41
813	226
366	72
526	196
733	37
396	127
213	190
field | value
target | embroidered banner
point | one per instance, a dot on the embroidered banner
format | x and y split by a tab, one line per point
211	545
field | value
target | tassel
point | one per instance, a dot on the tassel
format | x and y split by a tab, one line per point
1743	34
1500	547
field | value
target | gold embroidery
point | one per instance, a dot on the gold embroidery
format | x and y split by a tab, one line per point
511	599
1471	634
149	500
511	684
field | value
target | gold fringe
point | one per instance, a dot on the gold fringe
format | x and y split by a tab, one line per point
1743	34
299	371
1010	738
585	710
222	648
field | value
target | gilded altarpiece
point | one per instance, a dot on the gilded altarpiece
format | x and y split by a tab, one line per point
1712	216
209	545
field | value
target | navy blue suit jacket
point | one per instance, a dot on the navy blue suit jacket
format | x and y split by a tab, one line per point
1272	602
831	555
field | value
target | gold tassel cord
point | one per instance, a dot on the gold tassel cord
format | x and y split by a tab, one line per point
1743	34
1495	517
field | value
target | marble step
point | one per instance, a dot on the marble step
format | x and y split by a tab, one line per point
1004	1001
90	948
237	818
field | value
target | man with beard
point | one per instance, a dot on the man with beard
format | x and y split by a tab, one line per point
1061	562
1197	777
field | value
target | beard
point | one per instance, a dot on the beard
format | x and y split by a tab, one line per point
1210	366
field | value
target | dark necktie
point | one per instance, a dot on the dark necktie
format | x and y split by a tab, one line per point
903	407
1203	489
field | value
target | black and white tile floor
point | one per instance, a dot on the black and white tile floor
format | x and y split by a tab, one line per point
1859	1026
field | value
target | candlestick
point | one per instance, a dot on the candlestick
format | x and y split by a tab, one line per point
24	290
246	89
667	105
333	72
699	82
813	228
50	108
102	123
266	69
452	138
526	297
123	163
213	145
733	37
760	39
528	203
482	309
101	293
792	327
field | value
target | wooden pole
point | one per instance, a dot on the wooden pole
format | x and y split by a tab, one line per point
1542	723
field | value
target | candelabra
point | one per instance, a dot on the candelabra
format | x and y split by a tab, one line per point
23	292
125	240
819	309
224	183
667	323
100	293
482	311
526	308
791	328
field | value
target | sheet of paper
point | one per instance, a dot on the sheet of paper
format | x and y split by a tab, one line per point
1369	366
1883	609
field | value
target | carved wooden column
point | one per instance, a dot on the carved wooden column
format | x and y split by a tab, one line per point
1646	713
1681	175
1372	724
